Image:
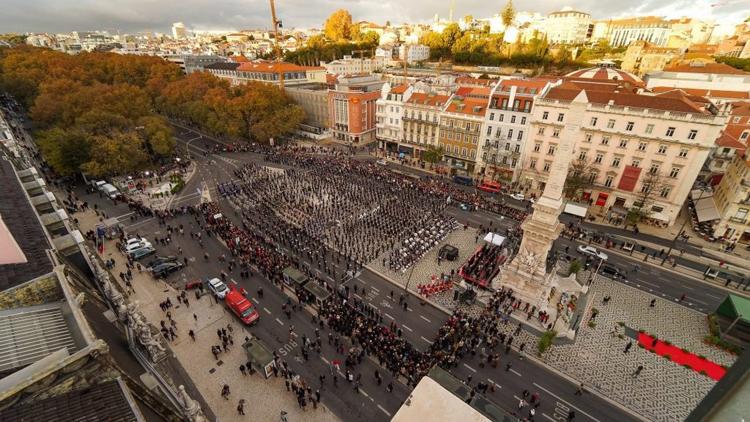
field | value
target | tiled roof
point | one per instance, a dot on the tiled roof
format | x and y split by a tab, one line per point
420	98
270	67
466	80
399	89
605	73
20	218
711	93
715	68
740	108
239	59
678	102
467	106
474	92
101	402
728	141
222	66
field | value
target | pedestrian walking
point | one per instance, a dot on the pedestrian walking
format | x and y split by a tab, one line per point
652	304
579	390
243	370
637	371
628	346
241	407
284	418
192	335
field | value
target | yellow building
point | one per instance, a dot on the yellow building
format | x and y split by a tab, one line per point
460	128
642	57
732	199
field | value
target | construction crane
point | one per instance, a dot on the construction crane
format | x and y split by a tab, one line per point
406	63
276	25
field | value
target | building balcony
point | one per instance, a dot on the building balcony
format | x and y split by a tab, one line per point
745	183
738	220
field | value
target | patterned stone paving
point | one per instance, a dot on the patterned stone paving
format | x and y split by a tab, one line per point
664	391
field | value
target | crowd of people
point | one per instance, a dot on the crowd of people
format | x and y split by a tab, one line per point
414	247
484	265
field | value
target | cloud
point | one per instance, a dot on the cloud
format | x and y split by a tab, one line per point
158	15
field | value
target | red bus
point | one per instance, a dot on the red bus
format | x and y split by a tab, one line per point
489	186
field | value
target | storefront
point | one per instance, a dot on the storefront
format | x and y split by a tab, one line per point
601	199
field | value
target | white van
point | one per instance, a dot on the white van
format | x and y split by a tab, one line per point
110	191
97	184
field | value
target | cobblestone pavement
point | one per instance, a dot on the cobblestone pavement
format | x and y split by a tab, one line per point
426	267
664	391
264	399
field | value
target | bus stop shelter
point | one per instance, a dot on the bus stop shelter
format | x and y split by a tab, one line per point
733	315
294	277
260	356
317	294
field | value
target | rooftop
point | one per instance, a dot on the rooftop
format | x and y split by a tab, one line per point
702	67
272	67
728	141
222	66
19	223
711	93
428	99
605	72
468	106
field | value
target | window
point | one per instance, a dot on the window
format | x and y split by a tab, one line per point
463	152
741	214
582	155
623	143
547	166
516	104
532	164
523	119
507	146
654	168
610	123
641	146
608	182
616	162
629	126
670	132
489	130
551	150
545	115
505	105
512	119
588	137
556	133
662	149
744	135
598	159
517	148
693	134
492	116
649	128
520	135
635	163
645	188
537	146
510	133
737	119
540	131
605	140
593	121
665	191
501	117
560	117
674	173
683	152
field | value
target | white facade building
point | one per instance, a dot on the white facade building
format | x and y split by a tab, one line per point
627	138
353	66
178	31
700	75
413	53
567	27
390	113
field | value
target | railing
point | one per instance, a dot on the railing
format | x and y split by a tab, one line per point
738	220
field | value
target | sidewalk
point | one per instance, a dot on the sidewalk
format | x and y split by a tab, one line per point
264	399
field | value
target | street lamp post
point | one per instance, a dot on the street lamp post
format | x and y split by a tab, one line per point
408	280
682	228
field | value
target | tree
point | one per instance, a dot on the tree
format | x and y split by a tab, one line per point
368	38
157	136
338	26
580	175
508	14
433	155
651	186
64	150
119	154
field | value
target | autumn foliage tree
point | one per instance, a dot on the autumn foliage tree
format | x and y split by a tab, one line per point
338	26
106	114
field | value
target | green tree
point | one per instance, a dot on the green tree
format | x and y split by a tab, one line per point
157	135
651	186
369	38
338	26
433	155
64	150
580	175
119	154
508	14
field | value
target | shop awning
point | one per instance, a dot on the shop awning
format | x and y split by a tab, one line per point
575	209
494	238
659	216
705	210
699	193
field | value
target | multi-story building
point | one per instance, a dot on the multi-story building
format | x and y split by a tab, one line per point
460	129
654	29
352	108
738	45
267	72
733	141
642	57
689	31
644	150
313	98
178	31
389	116
568	27
732	199
413	53
353	66
507	125
700	75
421	122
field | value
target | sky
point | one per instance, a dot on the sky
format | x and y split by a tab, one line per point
128	16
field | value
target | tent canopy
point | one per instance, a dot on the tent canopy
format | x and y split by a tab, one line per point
705	210
575	209
735	306
494	238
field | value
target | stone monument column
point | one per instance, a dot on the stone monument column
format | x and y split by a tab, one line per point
526	272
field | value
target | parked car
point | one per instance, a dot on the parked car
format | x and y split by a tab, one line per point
136	243
166	268
466	206
612	271
110	191
218	288
517	196
463	180
240	306
628	246
142	252
592	251
161	260
382	162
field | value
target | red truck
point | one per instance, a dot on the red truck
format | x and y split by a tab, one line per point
242	307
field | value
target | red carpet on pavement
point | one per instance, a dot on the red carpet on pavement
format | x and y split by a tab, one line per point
679	357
